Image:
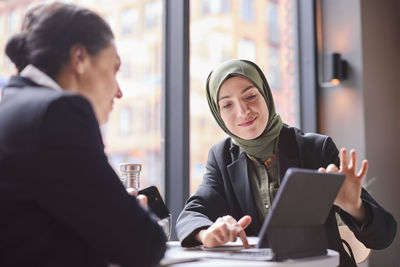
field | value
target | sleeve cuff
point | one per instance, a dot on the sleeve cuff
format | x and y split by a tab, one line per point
355	225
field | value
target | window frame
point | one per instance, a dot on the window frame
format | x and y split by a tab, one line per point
175	104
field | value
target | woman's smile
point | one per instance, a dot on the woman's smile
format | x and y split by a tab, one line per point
248	122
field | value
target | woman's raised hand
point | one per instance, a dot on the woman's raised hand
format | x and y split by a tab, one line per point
223	230
349	196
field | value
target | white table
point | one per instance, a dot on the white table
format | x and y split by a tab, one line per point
197	258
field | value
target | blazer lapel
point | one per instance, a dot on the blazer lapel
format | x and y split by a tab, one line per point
238	174
288	152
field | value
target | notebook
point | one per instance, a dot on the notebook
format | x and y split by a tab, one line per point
294	227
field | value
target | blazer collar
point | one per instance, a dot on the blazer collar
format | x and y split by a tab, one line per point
17	81
39	77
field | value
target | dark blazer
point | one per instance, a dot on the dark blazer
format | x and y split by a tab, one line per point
226	190
61	203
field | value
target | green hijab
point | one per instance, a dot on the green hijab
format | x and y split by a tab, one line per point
264	145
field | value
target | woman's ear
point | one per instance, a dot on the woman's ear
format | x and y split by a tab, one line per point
79	58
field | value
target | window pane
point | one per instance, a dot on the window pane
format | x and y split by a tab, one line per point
129	21
214	6
247	10
247	50
133	132
268	37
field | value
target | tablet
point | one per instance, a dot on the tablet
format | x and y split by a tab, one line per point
294	226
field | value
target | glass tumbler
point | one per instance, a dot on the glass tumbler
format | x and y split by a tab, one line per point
166	225
130	175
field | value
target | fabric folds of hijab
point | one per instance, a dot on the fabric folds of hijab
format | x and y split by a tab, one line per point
263	146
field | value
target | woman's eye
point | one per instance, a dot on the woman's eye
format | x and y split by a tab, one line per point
227	106
251	97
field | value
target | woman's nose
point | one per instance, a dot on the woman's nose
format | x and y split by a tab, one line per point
119	93
243	109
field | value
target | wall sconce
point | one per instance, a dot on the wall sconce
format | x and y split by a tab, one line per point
339	69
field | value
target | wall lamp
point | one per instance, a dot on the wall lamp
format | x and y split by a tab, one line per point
339	69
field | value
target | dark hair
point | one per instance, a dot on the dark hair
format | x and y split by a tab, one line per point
15	50
52	31
15	47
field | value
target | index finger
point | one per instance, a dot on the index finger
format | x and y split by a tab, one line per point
343	160
243	237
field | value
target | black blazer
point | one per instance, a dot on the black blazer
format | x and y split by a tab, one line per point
226	190
61	203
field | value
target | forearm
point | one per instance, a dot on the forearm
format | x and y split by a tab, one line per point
188	226
357	211
377	230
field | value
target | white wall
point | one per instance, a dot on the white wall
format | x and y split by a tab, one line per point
364	112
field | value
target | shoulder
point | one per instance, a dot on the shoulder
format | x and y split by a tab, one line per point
70	115
69	104
32	97
34	101
219	154
44	113
313	148
223	145
305	140
224	153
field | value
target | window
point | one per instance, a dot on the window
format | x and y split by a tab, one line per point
129	21
217	34
126	68
87	3
247	50
216	38
274	73
125	121
215	6
272	18
153	13
136	114
224	6
13	22
2	25
247	10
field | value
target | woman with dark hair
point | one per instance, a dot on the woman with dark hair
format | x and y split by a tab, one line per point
244	171
61	202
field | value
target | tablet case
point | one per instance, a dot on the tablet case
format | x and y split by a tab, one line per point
294	227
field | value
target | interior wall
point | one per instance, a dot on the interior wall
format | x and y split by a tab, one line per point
381	69
341	107
363	112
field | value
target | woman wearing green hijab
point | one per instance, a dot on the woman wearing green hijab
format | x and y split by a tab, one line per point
244	171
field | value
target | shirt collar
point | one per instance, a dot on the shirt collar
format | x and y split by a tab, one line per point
39	77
